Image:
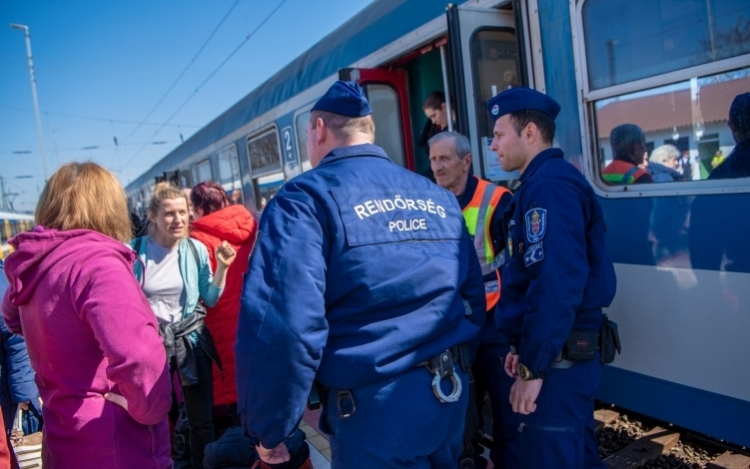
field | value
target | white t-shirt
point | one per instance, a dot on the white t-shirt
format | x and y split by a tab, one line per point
163	284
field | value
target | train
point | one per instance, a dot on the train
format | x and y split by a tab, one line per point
10	225
671	67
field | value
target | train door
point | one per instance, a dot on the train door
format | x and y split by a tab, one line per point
386	89
486	58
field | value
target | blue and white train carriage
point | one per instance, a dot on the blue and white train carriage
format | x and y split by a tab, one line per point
670	66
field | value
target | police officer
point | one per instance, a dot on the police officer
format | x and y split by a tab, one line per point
556	280
482	204
365	279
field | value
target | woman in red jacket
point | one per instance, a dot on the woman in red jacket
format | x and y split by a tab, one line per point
217	220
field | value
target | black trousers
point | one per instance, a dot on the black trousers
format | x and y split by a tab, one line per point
193	421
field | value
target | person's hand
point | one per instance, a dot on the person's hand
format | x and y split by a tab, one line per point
511	364
117	399
225	254
24	405
277	455
523	395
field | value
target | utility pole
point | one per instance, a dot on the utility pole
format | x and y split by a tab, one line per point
26	34
2	193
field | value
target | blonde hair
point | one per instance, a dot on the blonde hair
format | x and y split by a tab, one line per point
85	196
164	191
664	153
345	128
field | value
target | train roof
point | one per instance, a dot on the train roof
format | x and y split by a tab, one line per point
16	216
379	24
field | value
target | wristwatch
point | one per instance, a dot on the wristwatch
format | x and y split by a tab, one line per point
526	374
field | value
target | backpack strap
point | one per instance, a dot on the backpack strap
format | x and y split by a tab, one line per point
629	173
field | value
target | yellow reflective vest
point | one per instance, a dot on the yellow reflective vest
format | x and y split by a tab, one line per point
477	215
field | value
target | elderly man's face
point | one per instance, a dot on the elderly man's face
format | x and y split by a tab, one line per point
450	170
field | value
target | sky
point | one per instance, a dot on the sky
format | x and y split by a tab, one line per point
102	67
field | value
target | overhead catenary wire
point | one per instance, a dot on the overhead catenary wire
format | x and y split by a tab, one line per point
211	75
100	119
184	70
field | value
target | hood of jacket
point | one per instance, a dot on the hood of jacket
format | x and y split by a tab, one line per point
37	251
234	224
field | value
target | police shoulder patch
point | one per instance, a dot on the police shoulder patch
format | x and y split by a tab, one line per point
536	224
534	254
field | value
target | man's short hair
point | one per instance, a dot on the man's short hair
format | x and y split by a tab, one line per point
342	127
460	142
622	139
546	126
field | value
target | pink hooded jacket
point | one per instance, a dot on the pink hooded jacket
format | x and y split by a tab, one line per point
89	330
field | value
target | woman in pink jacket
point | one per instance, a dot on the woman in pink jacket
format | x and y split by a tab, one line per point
92	338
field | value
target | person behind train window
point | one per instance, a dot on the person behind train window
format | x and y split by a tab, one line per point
663	164
176	276
670	213
365	279
482	204
101	368
729	250
737	164
218	220
556	279
629	150
629	220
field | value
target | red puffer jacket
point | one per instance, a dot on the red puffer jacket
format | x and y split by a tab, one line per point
235	225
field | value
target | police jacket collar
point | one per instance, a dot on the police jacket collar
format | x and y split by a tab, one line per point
365	149
539	160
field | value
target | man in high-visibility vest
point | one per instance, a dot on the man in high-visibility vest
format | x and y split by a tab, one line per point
482	204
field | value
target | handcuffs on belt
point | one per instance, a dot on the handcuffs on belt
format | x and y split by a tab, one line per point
441	366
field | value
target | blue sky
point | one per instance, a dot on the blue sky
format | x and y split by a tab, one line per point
102	66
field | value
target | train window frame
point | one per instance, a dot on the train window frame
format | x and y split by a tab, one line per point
590	144
522	77
196	171
254	174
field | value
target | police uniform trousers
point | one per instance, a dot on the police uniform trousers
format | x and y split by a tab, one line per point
488	370
560	433
398	423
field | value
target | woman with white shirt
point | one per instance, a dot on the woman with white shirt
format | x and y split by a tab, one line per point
175	274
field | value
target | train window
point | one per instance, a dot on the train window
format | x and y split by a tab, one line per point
678	132
184	178
264	154
627	40
301	124
385	112
229	172
266	187
203	171
494	58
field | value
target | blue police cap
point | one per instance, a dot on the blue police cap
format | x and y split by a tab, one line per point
344	98
521	99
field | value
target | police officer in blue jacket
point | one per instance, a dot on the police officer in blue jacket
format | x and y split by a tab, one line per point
556	280
365	279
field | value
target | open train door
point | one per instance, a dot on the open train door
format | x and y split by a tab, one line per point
386	90
486	59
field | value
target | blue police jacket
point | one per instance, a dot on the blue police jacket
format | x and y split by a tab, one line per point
557	276
361	271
